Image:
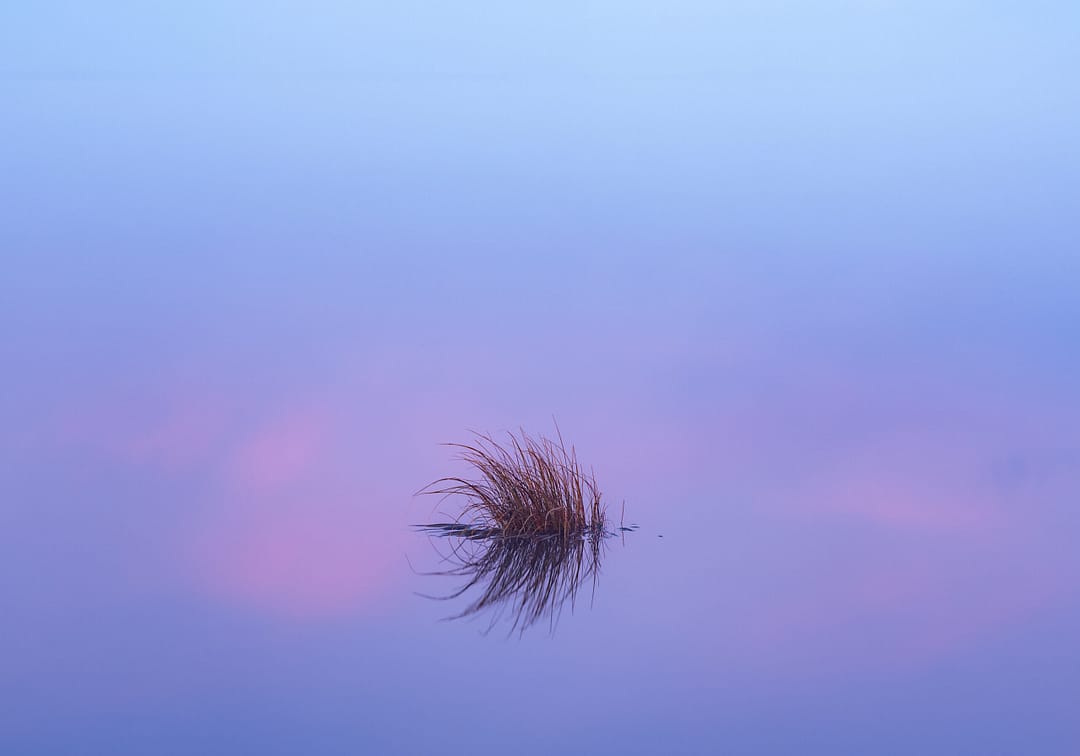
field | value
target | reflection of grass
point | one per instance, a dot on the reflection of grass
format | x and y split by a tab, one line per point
526	487
531	577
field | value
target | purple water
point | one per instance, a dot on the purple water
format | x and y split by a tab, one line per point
818	331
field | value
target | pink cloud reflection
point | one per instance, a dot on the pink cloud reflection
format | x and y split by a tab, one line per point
306	562
289	519
304	531
285	452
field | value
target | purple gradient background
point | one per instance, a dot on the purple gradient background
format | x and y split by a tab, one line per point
800	281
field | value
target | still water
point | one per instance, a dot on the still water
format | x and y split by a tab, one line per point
817	340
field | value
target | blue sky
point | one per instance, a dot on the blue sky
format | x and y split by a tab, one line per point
847	38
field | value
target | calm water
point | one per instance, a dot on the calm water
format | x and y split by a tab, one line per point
817	328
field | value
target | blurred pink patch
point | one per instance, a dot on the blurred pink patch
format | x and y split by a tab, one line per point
309	564
281	453
893	499
301	530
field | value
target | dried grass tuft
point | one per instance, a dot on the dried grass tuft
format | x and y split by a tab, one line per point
526	487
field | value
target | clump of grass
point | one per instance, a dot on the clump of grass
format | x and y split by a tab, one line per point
525	487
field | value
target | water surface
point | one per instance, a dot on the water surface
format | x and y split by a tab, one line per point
807	303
